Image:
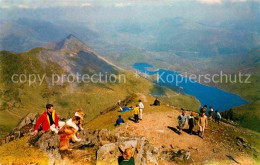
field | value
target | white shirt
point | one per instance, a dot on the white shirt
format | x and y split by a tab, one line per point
141	105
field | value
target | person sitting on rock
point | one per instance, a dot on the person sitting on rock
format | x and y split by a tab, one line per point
156	102
48	120
127	157
119	120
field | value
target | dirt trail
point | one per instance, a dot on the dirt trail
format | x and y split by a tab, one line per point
159	126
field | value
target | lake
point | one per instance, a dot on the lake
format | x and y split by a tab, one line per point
211	96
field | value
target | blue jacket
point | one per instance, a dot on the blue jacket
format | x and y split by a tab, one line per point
119	121
126	109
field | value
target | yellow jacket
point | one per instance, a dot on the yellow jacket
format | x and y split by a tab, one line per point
136	110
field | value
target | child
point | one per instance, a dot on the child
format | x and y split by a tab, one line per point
136	113
127	157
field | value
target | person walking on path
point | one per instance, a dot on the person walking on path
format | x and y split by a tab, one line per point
191	122
141	108
218	117
182	118
203	122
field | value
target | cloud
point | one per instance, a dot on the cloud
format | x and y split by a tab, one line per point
34	4
5	6
21	6
85	4
238	0
122	4
210	1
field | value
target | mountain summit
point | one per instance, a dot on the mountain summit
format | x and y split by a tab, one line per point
73	56
70	43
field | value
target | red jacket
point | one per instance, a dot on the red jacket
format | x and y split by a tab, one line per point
44	120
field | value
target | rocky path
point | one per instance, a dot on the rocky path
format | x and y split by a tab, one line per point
159	126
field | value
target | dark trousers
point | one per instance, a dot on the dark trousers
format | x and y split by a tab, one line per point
191	128
136	118
217	120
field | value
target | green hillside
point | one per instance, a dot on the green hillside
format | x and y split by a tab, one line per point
18	99
247	115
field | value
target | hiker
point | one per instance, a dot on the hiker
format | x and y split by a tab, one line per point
210	112
136	113
203	122
182	118
48	120
127	157
156	102
203	109
218	117
119	120
141	108
191	122
126	108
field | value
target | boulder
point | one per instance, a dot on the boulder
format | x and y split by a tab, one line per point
31	118
24	127
47	142
108	154
144	152
181	156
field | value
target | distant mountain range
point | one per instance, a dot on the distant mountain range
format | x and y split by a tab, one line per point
24	34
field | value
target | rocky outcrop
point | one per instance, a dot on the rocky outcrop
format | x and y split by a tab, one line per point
47	142
103	144
24	127
242	142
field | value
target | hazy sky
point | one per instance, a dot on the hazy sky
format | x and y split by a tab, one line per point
34	4
130	10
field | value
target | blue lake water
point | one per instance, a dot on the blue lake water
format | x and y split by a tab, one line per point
219	99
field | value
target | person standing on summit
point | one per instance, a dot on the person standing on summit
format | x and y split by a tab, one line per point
48	120
141	108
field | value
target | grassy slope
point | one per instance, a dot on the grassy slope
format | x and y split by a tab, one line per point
18	152
19	99
247	115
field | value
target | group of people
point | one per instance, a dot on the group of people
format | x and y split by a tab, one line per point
49	121
137	110
202	120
